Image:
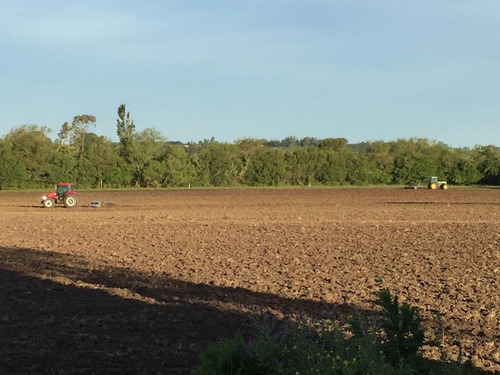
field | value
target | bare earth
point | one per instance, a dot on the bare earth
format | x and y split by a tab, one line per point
144	282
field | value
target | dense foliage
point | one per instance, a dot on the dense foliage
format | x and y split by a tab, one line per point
30	158
387	342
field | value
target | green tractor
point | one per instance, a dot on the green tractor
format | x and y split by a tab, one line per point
434	184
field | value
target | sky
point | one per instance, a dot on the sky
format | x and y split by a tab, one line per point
364	70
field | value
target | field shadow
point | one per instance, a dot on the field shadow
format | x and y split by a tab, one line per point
62	314
418	203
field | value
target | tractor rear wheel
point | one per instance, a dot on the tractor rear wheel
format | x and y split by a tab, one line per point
433	186
70	200
48	203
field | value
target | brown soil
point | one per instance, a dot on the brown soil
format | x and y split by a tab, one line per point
144	282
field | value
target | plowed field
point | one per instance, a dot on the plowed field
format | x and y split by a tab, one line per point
144	282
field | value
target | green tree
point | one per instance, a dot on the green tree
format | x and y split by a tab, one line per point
31	147
247	149
179	169
334	171
140	151
290	141
219	164
267	168
125	129
413	168
147	148
464	172
12	169
76	132
303	164
104	158
379	154
86	174
488	163
359	169
64	164
121	176
309	141
337	144
153	174
443	159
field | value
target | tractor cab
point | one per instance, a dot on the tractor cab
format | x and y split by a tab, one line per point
62	189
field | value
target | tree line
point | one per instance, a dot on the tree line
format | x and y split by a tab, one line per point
30	158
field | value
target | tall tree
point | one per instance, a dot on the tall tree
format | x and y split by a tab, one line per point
76	132
125	129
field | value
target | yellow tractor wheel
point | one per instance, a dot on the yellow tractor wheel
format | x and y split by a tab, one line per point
444	186
433	186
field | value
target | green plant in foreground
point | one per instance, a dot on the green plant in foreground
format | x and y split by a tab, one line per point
400	329
223	357
299	344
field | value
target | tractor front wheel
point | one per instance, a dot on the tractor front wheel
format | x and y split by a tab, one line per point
70	201
444	186
48	203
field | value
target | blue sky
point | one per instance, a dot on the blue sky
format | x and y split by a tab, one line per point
195	69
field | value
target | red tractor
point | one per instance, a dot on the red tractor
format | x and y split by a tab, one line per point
64	194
